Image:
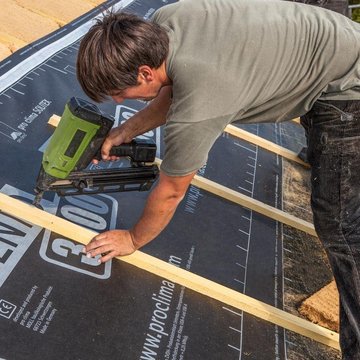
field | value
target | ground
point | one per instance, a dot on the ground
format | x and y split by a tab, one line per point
306	268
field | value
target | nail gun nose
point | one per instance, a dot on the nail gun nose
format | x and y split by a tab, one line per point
38	197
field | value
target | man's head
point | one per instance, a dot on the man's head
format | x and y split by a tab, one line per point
114	52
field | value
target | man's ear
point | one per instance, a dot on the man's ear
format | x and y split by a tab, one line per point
145	73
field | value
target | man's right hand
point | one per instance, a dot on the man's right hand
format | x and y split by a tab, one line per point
152	116
115	137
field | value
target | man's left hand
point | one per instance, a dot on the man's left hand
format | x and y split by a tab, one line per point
110	244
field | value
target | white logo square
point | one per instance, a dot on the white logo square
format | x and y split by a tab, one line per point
6	308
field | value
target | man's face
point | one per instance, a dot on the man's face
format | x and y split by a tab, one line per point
138	92
148	87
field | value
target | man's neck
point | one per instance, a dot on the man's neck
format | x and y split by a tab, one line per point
162	75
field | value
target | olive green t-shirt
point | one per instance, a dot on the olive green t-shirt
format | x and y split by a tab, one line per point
250	61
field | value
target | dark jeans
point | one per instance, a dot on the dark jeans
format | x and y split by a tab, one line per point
334	154
340	6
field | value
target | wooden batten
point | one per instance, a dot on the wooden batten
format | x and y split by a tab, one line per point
265	144
252	204
182	277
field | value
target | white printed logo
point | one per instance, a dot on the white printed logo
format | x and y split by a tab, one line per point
10	132
124	113
97	212
15	134
88	211
6	308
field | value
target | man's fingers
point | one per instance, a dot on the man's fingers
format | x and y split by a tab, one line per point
101	236
105	249
95	242
108	256
109	244
105	149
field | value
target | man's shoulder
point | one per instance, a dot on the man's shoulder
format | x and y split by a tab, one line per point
162	14
182	8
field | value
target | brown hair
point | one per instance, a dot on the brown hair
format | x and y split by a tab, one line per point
111	53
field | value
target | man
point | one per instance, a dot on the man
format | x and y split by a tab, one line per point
207	63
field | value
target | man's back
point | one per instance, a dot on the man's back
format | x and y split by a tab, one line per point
257	60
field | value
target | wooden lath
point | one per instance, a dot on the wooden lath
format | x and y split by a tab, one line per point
265	144
182	277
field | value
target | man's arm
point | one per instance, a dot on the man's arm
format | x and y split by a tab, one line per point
152	116
159	209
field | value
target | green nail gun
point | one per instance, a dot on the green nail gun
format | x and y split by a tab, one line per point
76	141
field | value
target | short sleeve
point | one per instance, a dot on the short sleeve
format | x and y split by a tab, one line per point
187	145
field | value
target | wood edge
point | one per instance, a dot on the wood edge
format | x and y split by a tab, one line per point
265	144
253	204
250	203
54	120
9	40
43	14
182	277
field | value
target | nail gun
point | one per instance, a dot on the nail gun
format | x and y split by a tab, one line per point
76	141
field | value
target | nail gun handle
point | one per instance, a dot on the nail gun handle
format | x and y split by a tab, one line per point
137	150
